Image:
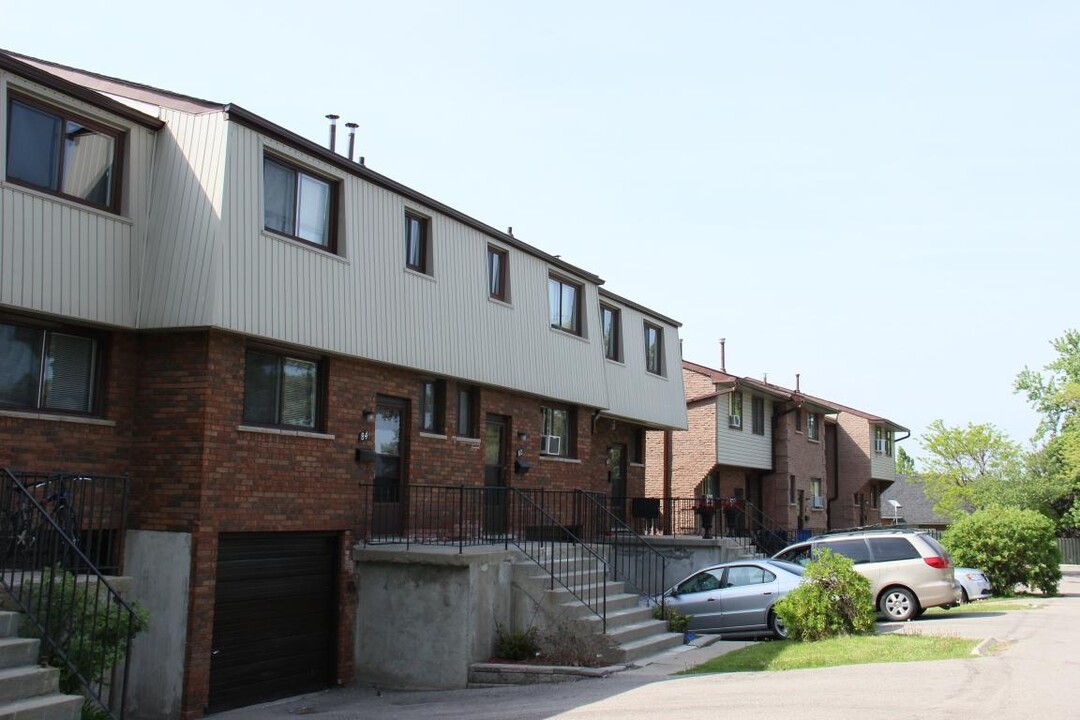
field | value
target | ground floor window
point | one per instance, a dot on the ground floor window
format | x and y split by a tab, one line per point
280	389
48	369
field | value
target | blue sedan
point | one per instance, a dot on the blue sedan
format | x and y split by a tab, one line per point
736	597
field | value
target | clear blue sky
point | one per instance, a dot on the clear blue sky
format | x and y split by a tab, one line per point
882	197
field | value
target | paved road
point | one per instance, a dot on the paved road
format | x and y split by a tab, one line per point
1035	673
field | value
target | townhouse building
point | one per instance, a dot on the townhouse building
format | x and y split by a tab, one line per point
269	338
793	463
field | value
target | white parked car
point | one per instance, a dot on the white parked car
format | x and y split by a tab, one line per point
974	585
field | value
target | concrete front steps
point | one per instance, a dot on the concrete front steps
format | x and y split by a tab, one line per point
28	691
630	623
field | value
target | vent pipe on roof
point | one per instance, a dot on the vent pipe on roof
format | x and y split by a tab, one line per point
333	130
723	355
510	230
352	138
797	382
361	161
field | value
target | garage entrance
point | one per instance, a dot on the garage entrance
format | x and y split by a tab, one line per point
275	617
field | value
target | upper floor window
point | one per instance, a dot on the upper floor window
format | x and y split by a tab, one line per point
798	420
816	496
418	243
48	369
467	412
654	349
56	151
281	389
557	431
883	441
757	411
735	410
812	422
432	406
611	325
297	203
564	305
498	274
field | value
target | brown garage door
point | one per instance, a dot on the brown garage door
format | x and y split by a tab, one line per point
275	617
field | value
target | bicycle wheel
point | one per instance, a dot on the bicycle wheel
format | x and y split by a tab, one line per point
68	537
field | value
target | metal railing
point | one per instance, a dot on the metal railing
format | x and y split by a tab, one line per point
547	531
85	627
631	557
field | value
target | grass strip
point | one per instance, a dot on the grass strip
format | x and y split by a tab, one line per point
851	650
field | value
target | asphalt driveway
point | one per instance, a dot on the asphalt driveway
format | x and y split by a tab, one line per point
1033	673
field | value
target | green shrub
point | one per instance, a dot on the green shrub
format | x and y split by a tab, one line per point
91	631
832	600
517	646
576	643
676	621
1012	546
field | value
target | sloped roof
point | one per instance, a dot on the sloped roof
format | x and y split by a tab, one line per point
915	507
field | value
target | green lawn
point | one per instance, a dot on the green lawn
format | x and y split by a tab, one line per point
854	650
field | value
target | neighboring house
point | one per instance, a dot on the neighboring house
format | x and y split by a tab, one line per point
913	507
259	331
801	463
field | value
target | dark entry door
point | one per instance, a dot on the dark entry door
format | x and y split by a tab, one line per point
390	468
275	617
617	478
495	500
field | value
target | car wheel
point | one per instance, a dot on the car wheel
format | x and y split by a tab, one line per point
898	604
964	596
777	626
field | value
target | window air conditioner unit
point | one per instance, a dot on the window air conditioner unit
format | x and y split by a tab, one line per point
879	446
550	444
817	502
735	421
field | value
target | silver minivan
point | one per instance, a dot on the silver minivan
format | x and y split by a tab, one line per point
908	569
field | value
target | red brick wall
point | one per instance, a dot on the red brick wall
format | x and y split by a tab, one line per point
802	457
93	448
853	465
176	401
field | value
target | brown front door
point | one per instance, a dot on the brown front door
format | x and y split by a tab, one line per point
495	492
391	431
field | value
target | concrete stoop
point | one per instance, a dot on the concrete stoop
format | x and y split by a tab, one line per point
630	625
27	691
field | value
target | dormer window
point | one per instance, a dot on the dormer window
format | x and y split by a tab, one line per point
61	153
297	203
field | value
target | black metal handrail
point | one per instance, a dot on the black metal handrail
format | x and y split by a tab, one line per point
562	554
547	531
70	605
631	558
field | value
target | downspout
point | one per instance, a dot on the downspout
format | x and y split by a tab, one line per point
835	476
666	490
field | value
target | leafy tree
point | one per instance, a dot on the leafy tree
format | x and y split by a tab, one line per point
905	464
966	467
1055	394
832	600
1011	545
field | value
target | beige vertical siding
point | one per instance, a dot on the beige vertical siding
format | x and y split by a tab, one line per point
61	257
364	302
634	393
742	448
882	467
179	280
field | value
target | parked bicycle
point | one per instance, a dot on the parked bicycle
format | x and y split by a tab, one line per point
26	535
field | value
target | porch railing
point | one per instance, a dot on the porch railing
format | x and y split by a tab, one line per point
47	574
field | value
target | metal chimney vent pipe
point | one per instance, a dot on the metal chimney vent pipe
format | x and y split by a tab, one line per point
723	353
333	130
352	138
